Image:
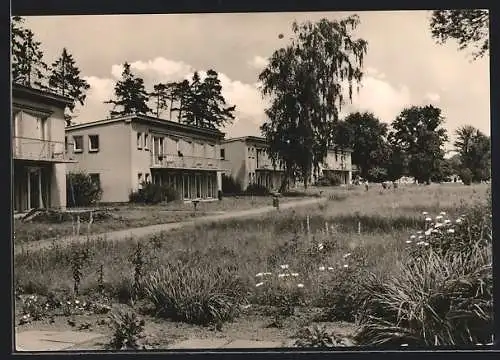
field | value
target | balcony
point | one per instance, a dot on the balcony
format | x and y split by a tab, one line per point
41	150
342	166
187	162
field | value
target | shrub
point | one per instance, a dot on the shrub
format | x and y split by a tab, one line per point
329	180
153	194
439	300
230	185
128	330
193	294
81	190
257	190
466	176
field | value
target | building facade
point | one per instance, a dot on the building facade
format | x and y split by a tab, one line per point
122	153
38	149
338	162
249	162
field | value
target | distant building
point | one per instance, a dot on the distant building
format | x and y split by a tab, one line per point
249	162
338	162
121	153
38	149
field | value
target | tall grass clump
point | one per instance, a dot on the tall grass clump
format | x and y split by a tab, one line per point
442	293
195	295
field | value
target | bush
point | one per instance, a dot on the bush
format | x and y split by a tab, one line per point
257	190
330	180
81	190
230	185
442	293
466	176
128	330
193	294
153	194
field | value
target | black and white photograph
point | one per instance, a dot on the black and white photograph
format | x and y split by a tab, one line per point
243	181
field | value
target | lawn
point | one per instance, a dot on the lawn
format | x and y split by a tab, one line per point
131	216
264	277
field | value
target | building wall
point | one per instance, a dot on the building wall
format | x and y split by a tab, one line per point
26	125
236	154
111	162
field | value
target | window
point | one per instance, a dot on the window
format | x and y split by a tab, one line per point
223	154
78	143
93	143
146	142
66	143
139	140
148	178
96	179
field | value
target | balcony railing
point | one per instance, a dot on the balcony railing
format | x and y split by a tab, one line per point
41	150
187	162
338	166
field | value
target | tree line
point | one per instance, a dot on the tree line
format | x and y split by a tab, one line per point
196	102
308	81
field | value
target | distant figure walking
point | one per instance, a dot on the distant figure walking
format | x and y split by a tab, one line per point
366	185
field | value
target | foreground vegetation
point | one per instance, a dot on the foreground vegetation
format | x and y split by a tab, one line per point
370	258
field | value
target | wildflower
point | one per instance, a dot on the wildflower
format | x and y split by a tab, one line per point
458	221
439	217
68	302
451	231
442	213
281	275
347	255
420	242
259	284
425	213
330	268
421	237
77	301
425	244
409	241
300	285
346	266
447	221
268	273
246	306
428	219
284	266
438	225
419	232
321	268
259	275
320	246
50	229
295	274
428	232
413	237
435	231
404	344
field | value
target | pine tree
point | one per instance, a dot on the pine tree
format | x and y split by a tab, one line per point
216	114
28	67
65	79
182	95
160	96
130	94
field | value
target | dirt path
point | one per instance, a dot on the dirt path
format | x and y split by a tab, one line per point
120	235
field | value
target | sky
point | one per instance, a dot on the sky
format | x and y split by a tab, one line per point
403	66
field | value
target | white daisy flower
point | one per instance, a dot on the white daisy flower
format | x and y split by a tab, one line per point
439	217
428	219
281	275
413	237
409	241
347	255
259	275
425	213
300	285
458	221
295	274
427	232
284	266
346	266
451	231
321	268
442	213
259	284
330	268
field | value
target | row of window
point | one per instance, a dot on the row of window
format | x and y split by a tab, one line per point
78	143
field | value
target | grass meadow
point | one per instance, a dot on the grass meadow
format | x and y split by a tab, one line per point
376	259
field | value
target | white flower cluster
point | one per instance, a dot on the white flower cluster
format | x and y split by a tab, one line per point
440	225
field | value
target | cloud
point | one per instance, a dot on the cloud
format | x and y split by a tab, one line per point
380	97
258	62
432	96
